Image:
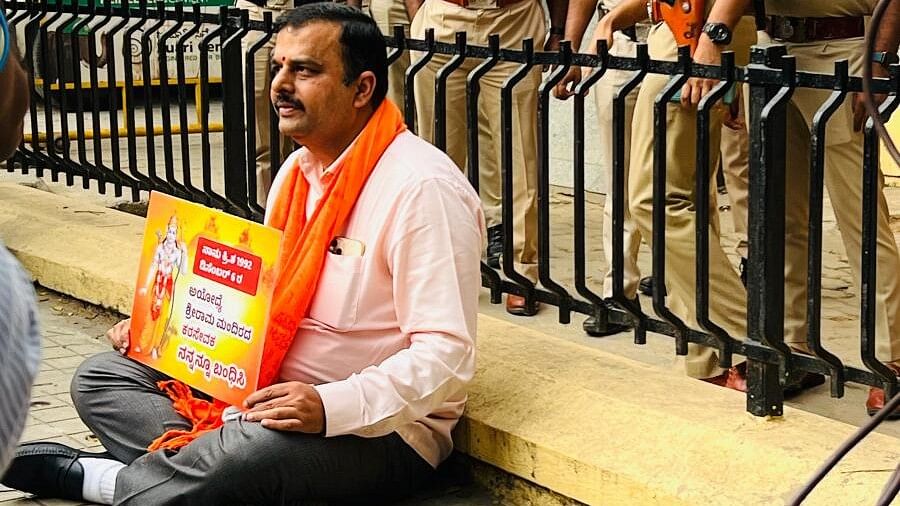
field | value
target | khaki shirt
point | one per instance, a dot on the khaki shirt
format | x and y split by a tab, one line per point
819	8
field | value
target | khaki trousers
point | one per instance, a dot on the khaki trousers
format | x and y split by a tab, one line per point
843	179
726	290
387	14
604	92
736	165
735	149
513	24
262	80
736	169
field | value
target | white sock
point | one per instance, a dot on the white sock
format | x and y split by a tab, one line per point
99	479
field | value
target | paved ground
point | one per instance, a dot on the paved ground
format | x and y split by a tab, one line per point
74	330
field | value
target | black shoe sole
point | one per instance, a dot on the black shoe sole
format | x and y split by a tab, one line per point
523	311
893	416
611	328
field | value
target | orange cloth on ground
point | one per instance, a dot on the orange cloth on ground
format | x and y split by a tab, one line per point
304	246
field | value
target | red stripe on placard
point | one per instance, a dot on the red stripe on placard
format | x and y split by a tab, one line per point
228	266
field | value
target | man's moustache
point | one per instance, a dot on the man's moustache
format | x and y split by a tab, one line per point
287	102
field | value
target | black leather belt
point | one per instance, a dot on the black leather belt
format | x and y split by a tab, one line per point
799	30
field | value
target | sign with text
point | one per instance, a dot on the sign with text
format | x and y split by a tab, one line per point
203	292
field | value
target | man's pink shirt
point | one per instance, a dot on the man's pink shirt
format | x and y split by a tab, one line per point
389	340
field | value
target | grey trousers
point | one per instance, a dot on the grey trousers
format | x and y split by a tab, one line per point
239	463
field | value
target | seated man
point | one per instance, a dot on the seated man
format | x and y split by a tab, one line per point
372	322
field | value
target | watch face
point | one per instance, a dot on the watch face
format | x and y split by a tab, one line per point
719	33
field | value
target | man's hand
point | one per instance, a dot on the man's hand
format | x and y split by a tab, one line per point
696	88
859	104
551	45
290	406
563	90
120	335
552	42
604	31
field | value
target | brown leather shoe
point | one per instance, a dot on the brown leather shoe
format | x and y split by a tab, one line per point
516	305
876	399
734	378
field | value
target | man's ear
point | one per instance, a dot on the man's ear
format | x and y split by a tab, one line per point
365	88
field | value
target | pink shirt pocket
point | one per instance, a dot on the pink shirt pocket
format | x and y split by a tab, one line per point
336	302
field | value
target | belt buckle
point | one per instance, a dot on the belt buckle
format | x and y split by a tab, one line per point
787	29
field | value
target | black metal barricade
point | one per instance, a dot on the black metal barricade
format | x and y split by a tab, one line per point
148	48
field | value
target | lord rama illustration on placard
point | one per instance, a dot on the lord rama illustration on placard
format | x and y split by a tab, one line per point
169	263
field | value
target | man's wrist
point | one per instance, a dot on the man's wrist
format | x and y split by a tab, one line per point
709	45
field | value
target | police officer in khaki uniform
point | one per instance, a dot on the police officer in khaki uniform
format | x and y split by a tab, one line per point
513	21
726	289
624	43
795	24
817	34
734	144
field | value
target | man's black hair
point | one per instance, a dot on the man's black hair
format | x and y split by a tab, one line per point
361	40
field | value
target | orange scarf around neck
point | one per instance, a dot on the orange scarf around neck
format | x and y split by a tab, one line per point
303	249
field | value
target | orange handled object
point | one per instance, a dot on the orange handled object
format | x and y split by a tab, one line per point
683	17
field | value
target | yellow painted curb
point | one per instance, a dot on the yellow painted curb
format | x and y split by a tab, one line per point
604	429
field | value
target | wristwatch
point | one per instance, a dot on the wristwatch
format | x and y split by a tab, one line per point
718	33
885	58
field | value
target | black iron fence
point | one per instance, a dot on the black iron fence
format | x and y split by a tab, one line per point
110	82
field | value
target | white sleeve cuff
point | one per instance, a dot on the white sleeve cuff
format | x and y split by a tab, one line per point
343	414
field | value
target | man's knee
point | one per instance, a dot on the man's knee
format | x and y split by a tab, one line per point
93	373
641	209
243	448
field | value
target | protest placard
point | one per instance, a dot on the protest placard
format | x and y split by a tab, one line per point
202	299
